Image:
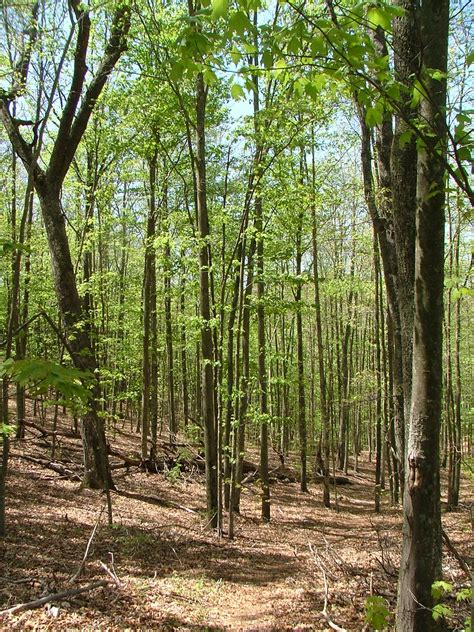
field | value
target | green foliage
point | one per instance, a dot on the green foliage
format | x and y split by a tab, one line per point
377	613
7	429
42	375
219	8
8	246
440	611
441	589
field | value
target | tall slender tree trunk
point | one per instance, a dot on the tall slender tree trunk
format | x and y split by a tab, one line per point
262	368
378	373
207	346
149	316
173	424
323	397
302	431
96	465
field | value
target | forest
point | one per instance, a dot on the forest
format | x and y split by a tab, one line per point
236	324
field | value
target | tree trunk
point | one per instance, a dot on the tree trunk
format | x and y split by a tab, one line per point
149	317
323	399
96	464
421	552
302	431
207	347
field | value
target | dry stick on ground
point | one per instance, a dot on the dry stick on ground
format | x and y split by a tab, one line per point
112	574
324	611
30	605
89	543
451	548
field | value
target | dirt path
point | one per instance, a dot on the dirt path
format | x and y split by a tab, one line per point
176	576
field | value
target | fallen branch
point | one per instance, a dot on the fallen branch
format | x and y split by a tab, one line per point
112	574
59	468
51	433
451	548
37	603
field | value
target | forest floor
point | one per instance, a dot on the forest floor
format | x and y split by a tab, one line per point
173	574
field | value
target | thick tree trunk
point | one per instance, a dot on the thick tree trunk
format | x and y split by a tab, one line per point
96	465
421	552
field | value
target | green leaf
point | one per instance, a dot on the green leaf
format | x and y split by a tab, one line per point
440	588
239	23
374	115
376	612
378	17
418	93
470	58
8	246
237	92
464	594
405	137
436	74
219	8
41	375
441	611
318	47
176	71
210	77
6	429
267	59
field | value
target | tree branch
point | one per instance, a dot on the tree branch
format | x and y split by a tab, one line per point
77	83
67	142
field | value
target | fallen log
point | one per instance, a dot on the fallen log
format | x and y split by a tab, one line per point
57	467
338	480
65	594
70	434
155	464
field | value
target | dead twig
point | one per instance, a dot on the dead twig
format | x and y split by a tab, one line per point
89	543
112	574
452	549
37	603
324	611
385	560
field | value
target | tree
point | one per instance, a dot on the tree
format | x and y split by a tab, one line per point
421	549
48	182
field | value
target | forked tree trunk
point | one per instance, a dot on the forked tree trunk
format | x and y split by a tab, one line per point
74	118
